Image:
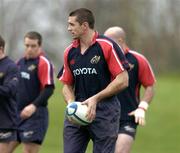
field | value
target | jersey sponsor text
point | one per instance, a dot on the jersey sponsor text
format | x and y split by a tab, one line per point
25	75
84	71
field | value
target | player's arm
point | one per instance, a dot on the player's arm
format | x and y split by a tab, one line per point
66	77
114	58
117	85
9	87
147	79
139	113
68	93
148	94
67	90
45	74
44	95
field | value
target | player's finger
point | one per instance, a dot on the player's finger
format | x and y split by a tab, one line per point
84	103
136	119
142	121
88	112
131	113
90	116
23	115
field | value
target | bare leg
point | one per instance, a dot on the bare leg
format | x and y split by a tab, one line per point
8	147
31	148
124	143
12	146
4	147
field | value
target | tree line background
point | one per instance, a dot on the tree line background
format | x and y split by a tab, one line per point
152	26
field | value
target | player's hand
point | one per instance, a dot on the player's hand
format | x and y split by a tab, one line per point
139	113
28	111
69	101
91	112
72	121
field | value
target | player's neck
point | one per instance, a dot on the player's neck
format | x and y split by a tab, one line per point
32	56
86	40
125	48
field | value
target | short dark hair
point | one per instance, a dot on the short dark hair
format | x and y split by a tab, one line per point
2	42
34	35
84	15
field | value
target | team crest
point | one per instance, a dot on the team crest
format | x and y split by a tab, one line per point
32	67
1	75
95	59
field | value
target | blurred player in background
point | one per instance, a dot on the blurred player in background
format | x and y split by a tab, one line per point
35	87
8	104
92	74
133	108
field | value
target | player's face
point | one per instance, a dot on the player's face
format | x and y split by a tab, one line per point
75	28
1	52
32	48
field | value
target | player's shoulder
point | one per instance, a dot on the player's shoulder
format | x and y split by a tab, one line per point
10	64
138	55
69	49
106	43
44	57
20	60
44	60
105	40
9	61
142	60
70	46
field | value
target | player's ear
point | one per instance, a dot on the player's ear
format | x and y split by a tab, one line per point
85	25
120	41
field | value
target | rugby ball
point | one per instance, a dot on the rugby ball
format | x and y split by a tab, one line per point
76	112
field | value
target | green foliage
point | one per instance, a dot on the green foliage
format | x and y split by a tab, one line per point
160	135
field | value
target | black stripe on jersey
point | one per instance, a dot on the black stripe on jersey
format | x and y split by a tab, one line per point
60	72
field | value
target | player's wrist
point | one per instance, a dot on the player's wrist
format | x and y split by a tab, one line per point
143	105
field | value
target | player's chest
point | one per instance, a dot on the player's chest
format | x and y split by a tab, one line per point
3	71
28	69
92	58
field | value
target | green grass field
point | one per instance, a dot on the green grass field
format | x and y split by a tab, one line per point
160	135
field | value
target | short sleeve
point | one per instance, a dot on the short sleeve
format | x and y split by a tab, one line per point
110	53
145	73
45	72
65	74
